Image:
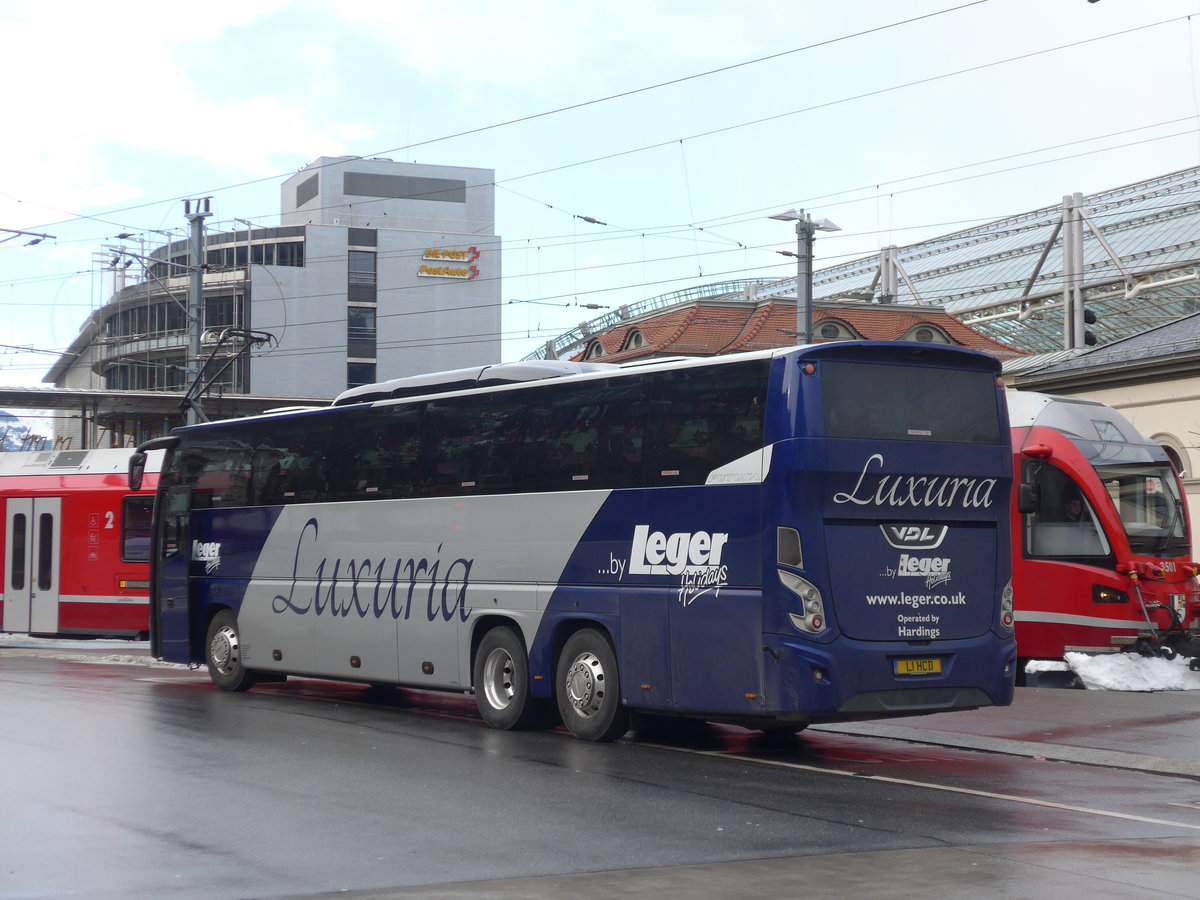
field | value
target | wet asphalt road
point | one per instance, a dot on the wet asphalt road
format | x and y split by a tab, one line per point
126	780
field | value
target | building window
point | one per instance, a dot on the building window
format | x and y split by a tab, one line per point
633	340
289	254
594	350
928	334
834	330
361	266
223	311
231	256
145	320
307	189
161	374
360	276
1176	452
360	331
231	379
360	373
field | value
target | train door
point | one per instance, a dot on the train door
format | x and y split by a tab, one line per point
32	546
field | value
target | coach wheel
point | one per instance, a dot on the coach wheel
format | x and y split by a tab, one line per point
223	653
588	688
502	681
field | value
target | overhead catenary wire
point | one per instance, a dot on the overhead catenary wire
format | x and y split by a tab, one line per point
823	105
684	232
568	108
908	189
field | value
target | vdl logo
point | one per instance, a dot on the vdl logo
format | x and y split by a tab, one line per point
914	537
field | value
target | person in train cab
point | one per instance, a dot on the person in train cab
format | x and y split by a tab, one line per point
1073	507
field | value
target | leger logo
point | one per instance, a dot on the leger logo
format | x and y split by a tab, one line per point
693	556
209	553
914	537
655	553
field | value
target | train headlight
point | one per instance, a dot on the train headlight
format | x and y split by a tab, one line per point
812	619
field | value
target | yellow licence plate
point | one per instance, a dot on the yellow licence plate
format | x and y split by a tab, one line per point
910	666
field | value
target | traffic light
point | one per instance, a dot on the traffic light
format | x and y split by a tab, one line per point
1089	318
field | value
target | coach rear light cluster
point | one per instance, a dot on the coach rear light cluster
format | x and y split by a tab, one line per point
812	620
1006	605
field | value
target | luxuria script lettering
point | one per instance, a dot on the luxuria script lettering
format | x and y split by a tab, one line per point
366	588
927	491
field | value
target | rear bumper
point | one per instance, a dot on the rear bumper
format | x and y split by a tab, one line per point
847	679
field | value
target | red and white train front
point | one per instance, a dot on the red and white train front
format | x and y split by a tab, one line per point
1101	539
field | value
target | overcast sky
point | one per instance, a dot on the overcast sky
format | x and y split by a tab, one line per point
679	125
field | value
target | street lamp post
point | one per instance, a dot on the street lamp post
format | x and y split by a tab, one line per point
806	229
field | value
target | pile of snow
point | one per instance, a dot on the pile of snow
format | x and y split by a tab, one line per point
1130	672
118	659
85	651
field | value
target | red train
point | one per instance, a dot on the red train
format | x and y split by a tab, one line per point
76	544
1102	553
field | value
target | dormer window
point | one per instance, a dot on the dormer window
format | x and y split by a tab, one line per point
834	330
928	334
594	350
633	340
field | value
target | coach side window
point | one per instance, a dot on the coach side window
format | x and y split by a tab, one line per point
292	461
374	455
585	436
478	440
702	419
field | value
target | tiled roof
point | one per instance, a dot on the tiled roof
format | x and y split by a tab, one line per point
706	329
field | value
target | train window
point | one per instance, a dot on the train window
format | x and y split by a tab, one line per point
135	528
17	567
1065	525
45	571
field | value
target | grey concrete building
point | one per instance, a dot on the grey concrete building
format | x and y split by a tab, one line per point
378	269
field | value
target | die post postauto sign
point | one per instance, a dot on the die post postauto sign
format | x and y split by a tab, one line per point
442	263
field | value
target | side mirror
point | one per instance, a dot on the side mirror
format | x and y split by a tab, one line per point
137	469
137	462
1029	497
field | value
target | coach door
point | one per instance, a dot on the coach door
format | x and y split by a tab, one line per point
170	568
32	544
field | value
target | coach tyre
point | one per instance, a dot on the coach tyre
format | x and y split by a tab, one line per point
502	680
588	688
223	653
